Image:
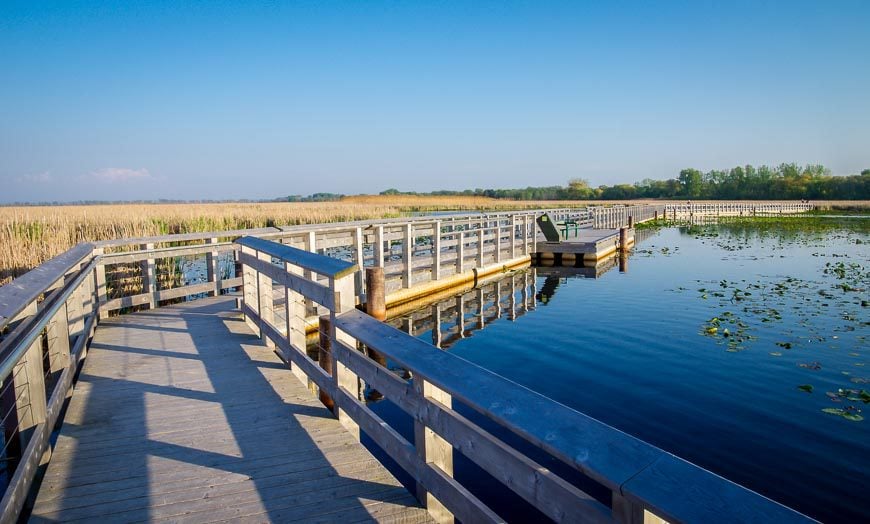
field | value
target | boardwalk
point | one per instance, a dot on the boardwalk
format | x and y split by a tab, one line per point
181	414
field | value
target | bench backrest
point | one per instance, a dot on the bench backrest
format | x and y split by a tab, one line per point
548	229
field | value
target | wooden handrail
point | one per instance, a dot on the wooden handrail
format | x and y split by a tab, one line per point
26	289
640	477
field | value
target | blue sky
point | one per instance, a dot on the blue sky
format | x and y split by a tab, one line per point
123	100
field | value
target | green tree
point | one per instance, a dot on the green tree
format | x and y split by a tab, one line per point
691	183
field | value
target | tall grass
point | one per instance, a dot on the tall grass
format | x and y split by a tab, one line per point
31	235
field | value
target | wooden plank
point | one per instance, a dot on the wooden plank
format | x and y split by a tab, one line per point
243	437
185	237
679	491
26	289
569	435
331	267
166	252
309	288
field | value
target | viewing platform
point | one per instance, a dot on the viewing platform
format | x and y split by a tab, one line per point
222	376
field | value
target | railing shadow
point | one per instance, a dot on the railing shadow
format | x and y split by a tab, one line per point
198	421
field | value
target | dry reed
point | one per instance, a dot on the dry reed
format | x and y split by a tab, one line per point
33	234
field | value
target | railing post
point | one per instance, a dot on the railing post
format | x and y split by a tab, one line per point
460	251
211	264
250	292
432	448
345	378
436	250
324	357
359	256
266	299
513	236
30	389
480	240
294	322
379	246
498	232
100	284
149	277
75	307
408	255
58	340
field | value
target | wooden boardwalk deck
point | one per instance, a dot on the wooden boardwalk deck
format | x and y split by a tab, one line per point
180	414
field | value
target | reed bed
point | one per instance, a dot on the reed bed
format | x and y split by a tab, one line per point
30	235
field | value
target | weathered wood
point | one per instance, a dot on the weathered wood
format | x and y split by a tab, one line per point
24	290
309	288
235	465
376	304
330	267
186	237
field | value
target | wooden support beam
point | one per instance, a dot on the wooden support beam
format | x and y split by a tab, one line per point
433	449
149	277
213	269
407	255
436	250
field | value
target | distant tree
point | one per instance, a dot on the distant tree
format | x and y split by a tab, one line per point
691	182
391	191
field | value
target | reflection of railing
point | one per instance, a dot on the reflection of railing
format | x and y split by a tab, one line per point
639	478
506	297
48	316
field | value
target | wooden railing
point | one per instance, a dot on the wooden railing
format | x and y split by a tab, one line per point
642	480
145	272
47	318
48	315
622	216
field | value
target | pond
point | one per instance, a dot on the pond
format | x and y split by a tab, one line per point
740	346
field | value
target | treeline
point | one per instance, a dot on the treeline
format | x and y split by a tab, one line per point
786	182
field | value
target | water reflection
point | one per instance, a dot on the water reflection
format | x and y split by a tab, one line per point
505	297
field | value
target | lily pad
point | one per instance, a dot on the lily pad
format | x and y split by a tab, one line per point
806	387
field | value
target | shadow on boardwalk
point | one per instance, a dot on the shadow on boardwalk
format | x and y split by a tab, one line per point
181	414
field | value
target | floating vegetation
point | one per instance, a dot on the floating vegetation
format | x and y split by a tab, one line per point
808	317
849	413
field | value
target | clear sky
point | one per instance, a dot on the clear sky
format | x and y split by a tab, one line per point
125	100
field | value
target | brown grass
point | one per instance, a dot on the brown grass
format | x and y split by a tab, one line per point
31	235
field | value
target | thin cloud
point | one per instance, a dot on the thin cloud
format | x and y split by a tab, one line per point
35	178
120	174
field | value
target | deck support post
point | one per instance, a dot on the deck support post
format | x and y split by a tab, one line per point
376	305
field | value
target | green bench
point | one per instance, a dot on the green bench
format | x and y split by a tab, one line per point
551	233
569	225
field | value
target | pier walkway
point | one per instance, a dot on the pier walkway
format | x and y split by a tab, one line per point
182	414
118	403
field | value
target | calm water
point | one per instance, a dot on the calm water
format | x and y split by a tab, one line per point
706	347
